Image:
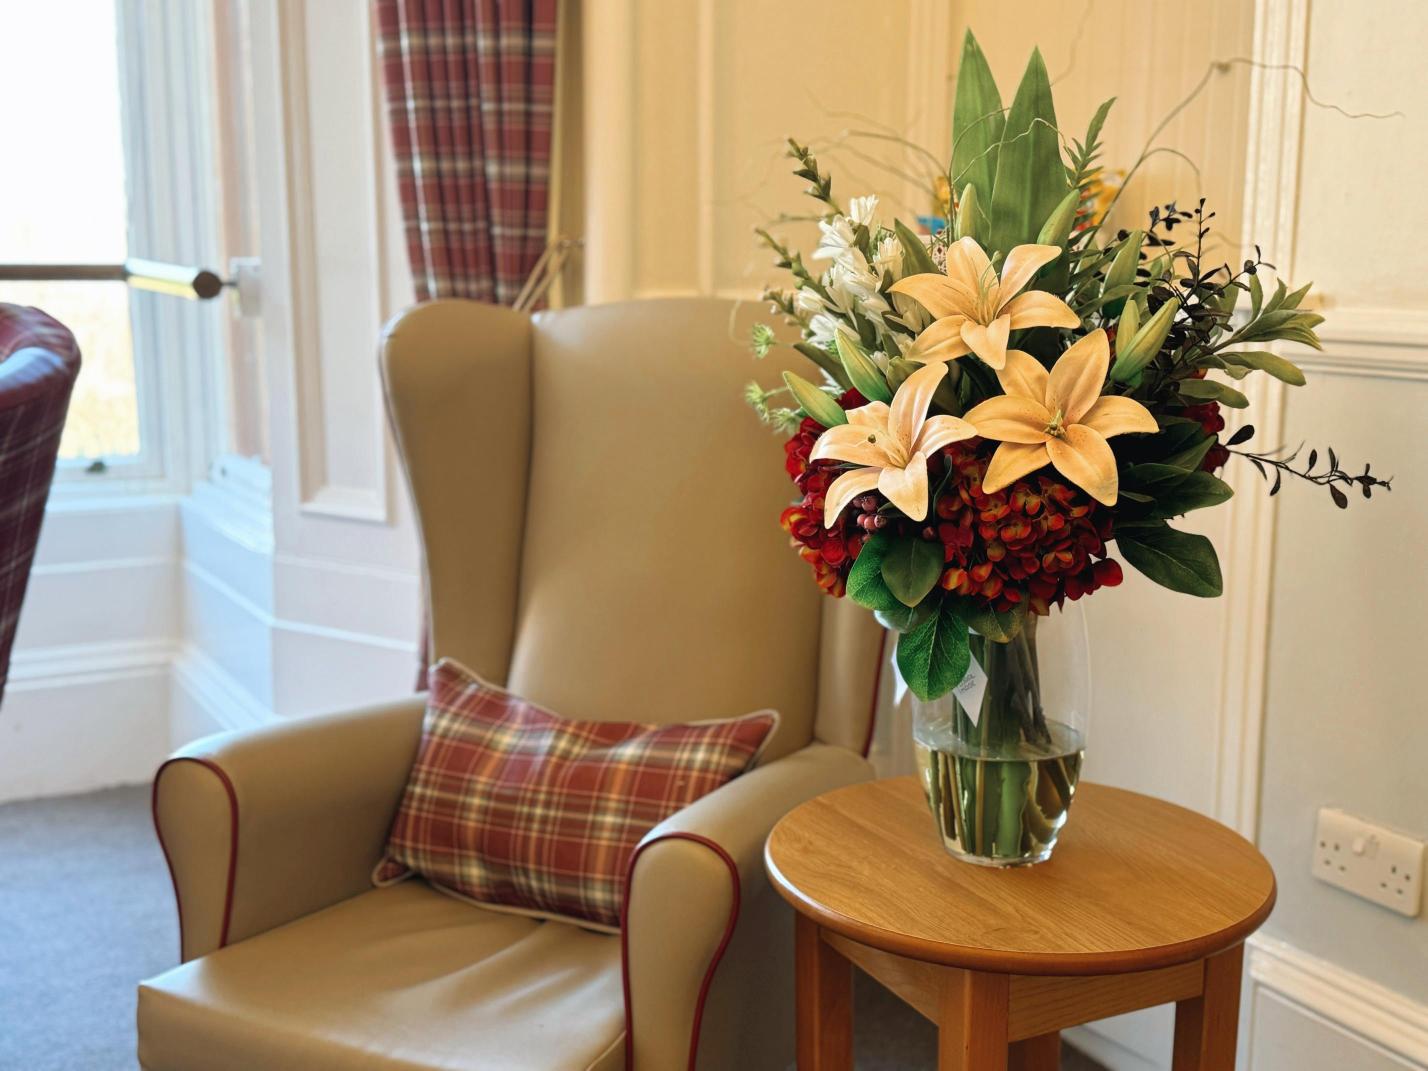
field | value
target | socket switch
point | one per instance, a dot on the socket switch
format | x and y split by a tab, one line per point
1369	861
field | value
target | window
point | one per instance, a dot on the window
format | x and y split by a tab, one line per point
128	131
63	200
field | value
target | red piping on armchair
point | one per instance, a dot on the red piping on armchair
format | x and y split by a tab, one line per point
713	960
227	783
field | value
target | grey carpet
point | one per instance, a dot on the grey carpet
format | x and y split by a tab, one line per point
86	910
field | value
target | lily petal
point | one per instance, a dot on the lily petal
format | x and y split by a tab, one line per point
872	415
1022	377
938	431
910	403
906	488
846	488
1084	457
1114	415
935	293
1022	263
940	342
1010	419
1078	376
989	342
855	444
1037	308
1010	463
967	265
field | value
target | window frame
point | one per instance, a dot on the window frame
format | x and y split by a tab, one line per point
166	94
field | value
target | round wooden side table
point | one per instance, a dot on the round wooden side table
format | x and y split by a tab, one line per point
1142	903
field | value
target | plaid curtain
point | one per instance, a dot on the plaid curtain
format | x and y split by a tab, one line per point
38	363
470	98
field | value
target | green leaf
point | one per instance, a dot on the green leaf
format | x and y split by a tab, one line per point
1031	177
824	360
1192	455
1175	491
1208	390
1179	561
998	626
1261	361
977	122
816	403
866	586
919	260
1057	227
1256	295
864	374
906	618
934	656
911	569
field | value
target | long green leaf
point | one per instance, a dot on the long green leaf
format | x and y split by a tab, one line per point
1209	390
1179	561
1031	176
919	260
1262	361
977	122
933	657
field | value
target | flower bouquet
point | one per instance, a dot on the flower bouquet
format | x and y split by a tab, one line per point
997	408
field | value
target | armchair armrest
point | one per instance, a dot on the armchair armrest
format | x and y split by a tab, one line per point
697	895
262	827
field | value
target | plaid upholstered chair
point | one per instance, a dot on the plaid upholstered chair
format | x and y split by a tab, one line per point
600	517
38	365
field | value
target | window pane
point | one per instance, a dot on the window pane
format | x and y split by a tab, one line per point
62	199
103	416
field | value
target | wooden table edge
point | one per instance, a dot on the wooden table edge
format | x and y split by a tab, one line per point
1020	963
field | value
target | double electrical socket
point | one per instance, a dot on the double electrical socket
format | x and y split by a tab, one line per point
1369	861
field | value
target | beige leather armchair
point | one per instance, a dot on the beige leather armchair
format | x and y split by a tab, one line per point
599	512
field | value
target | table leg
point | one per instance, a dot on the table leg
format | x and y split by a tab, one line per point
824	987
1206	1026
1036	1054
972	1035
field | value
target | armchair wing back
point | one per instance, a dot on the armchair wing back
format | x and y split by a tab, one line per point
599	511
38	365
600	518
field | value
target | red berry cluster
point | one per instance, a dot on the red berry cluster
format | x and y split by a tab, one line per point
830	551
1208	417
1037	541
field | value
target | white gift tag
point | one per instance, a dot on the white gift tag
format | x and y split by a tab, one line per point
971	689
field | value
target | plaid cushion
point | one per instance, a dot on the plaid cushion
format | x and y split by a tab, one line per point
38	364
511	805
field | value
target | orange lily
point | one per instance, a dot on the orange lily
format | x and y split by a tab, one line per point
1059	417
974	310
891	444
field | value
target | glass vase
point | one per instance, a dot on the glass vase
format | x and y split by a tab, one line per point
1000	755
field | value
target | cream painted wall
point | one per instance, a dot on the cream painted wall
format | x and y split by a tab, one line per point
1344	706
686	105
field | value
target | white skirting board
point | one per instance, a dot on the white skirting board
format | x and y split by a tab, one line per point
84	716
1299	1013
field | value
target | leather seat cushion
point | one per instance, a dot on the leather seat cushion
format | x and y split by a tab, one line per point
397	978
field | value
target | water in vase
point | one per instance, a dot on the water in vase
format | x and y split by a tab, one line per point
999	806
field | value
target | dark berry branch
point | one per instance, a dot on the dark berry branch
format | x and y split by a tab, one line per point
1333	477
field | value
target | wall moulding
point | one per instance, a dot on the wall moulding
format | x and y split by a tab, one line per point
337	207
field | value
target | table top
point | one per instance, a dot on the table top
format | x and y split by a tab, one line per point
1134	884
